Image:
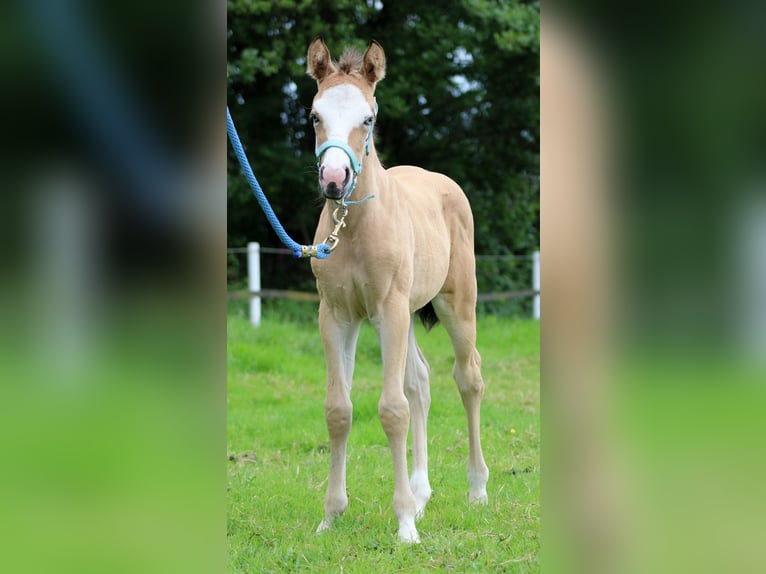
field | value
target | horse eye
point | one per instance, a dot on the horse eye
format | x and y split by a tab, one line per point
368	120
314	119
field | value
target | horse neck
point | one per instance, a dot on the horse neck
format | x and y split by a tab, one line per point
372	177
372	180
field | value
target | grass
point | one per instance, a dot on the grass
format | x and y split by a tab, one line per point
279	457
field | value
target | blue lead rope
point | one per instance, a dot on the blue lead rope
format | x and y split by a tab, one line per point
321	251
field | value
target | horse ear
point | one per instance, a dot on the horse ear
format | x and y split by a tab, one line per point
374	63
318	62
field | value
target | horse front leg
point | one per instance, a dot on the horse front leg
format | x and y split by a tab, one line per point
394	410
339	340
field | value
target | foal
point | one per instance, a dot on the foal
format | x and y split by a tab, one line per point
408	248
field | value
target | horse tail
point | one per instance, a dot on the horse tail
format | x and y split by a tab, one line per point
428	316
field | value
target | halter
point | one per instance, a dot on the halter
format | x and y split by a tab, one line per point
356	164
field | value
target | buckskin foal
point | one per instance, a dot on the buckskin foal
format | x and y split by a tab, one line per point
407	247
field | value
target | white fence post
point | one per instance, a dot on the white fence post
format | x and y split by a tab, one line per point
254	280
536	284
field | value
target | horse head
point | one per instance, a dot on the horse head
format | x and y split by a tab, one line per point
343	113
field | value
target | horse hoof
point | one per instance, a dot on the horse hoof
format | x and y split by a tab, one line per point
324	525
420	506
408	535
478	499
421	490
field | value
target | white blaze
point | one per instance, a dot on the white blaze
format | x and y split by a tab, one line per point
341	109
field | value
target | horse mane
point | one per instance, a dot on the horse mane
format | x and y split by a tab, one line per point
350	60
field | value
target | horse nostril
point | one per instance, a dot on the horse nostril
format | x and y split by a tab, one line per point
348	175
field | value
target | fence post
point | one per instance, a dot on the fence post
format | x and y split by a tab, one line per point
536	284
254	280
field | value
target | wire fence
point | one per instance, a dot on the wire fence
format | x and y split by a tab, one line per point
508	284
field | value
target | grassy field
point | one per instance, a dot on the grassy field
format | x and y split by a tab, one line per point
279	457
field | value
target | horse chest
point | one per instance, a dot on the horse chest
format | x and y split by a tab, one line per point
358	288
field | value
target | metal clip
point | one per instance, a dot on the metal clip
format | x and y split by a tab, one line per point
332	241
340	222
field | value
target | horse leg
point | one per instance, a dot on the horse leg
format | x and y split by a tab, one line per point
394	409
418	393
458	314
339	340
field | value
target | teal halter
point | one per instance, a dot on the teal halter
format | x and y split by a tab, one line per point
356	164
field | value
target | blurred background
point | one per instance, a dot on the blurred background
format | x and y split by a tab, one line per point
112	215
112	292
461	97
654	311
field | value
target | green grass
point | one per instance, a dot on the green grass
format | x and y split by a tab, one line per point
279	458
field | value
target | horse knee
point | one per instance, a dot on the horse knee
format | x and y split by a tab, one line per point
338	417
394	415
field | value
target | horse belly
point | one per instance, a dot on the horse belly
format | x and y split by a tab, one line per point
430	269
424	193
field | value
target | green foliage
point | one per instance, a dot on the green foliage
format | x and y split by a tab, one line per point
502	275
279	457
519	23
461	97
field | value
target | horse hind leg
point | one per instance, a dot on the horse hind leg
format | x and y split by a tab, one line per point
459	318
467	375
417	391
